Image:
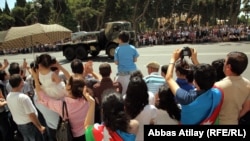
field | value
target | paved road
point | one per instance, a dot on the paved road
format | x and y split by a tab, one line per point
206	54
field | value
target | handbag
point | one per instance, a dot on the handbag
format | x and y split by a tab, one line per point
63	132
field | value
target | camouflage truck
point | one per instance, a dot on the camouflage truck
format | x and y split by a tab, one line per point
84	43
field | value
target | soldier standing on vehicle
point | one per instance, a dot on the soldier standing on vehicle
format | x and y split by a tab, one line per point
125	57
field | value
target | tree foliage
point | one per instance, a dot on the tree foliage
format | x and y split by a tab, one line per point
143	14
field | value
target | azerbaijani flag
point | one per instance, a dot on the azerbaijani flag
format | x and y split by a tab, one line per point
99	132
204	109
213	115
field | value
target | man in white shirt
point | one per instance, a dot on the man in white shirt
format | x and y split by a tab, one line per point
23	111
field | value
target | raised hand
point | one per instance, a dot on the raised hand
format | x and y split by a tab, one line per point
88	97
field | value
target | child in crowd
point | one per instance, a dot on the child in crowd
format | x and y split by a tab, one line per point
51	82
116	125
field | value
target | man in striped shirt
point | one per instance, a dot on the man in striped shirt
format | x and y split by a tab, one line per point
154	79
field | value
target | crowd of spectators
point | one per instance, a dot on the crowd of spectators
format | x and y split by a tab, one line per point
220	33
184	34
36	48
99	107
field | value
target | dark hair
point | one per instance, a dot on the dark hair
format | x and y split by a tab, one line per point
114	116
218	64
190	74
164	69
136	73
77	66
77	83
32	64
45	60
238	61
15	80
2	75
124	36
136	96
168	103
105	69
14	68
205	76
182	66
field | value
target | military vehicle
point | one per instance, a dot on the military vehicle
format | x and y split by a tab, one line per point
84	43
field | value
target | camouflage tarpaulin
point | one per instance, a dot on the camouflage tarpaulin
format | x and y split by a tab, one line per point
27	36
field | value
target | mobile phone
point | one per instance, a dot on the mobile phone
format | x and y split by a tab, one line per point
24	59
5	60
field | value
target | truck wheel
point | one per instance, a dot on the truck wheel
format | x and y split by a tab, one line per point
111	50
69	54
81	53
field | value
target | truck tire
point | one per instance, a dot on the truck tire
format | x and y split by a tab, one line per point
69	53
111	50
81	53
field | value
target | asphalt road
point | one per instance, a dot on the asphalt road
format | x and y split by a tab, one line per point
160	53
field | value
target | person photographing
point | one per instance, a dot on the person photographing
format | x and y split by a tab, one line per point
201	105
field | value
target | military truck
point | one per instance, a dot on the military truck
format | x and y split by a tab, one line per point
84	43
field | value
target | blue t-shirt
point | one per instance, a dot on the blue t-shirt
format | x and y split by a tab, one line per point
125	55
183	83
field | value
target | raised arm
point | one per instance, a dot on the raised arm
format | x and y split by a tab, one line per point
65	72
5	64
37	82
88	69
169	76
194	56
91	111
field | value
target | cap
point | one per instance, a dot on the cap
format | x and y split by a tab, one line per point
154	65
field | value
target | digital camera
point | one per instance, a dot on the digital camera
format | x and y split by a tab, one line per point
186	51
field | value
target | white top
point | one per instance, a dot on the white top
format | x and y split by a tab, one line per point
151	98
163	118
147	114
20	106
53	90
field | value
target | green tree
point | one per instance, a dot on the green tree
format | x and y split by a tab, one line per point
20	3
6	21
6	9
44	11
18	13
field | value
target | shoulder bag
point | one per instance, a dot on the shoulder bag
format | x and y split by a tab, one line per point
63	132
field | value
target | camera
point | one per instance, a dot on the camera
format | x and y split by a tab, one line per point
186	51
